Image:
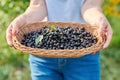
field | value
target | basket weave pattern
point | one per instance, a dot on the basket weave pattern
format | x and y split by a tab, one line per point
56	53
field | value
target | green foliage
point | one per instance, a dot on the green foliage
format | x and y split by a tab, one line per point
110	63
14	66
12	63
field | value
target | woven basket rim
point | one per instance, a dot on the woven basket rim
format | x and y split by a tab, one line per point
36	51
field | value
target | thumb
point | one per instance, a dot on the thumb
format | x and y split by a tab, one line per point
14	29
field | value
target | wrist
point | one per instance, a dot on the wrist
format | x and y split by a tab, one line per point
34	14
92	14
36	11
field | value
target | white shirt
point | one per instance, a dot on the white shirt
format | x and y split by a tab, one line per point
65	10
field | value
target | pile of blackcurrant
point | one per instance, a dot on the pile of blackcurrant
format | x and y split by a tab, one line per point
59	38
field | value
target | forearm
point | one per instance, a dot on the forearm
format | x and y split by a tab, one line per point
91	10
36	10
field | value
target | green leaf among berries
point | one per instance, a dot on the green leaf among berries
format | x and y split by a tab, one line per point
38	39
53	27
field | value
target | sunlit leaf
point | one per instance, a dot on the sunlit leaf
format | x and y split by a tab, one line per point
48	30
38	39
53	27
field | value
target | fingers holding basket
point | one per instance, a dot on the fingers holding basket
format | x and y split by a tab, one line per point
12	29
105	31
9	35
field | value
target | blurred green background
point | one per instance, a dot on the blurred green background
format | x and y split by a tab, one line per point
15	66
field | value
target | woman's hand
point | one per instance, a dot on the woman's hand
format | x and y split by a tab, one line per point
98	19
35	12
93	15
13	28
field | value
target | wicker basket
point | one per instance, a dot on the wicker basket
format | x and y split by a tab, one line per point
56	53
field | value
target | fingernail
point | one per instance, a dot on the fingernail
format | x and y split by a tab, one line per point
14	32
101	33
9	43
104	47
